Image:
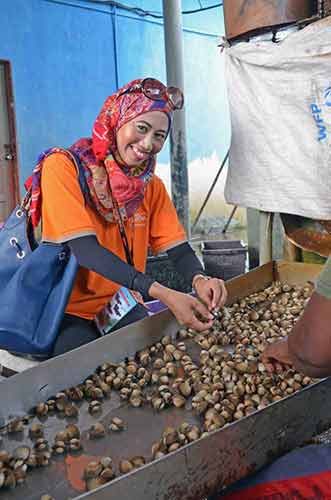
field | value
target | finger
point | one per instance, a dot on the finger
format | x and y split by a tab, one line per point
199	326
269	367
224	294
206	296
216	293
264	357
279	368
202	310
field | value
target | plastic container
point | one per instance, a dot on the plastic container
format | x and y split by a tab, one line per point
224	259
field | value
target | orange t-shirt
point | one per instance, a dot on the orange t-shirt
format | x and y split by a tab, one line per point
66	216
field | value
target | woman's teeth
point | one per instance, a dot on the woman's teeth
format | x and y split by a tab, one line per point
139	154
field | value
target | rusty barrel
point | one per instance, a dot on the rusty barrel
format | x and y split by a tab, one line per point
244	16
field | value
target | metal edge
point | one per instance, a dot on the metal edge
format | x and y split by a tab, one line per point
22	391
229	454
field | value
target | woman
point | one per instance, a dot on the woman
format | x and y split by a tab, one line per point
125	210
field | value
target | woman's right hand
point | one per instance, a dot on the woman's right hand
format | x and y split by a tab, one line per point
185	307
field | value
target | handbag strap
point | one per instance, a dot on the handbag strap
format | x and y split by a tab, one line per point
25	203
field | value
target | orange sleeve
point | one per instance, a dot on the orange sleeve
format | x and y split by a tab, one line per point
165	229
64	213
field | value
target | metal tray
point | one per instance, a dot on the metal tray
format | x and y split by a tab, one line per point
192	472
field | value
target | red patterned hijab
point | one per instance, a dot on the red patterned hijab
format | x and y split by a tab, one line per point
106	178
128	185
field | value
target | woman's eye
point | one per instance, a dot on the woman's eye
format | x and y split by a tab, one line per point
142	128
160	137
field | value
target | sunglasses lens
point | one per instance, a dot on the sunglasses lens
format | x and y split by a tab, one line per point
153	88
176	97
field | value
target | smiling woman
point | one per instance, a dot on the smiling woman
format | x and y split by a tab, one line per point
102	198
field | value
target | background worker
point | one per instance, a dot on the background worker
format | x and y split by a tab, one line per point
304	472
308	346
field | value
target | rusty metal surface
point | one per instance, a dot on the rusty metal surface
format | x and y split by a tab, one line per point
193	471
309	234
244	16
203	467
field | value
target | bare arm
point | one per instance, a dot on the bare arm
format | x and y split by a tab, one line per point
308	346
309	343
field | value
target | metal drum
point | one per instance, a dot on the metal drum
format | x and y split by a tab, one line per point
309	234
244	16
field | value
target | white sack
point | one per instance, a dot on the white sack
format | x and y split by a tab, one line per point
280	104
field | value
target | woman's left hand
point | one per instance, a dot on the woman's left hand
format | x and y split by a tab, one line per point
211	291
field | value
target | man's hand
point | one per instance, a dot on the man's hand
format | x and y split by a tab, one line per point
211	291
276	355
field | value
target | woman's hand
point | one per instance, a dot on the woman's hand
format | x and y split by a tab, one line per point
184	307
138	297
211	291
276	355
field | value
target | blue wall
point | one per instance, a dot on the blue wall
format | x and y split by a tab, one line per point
68	55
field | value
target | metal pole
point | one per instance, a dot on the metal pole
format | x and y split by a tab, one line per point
210	191
175	77
224	230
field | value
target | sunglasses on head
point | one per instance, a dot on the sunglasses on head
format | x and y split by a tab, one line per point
155	90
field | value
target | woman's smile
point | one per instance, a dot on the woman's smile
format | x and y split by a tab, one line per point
139	154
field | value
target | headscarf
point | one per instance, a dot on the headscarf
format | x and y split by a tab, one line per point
105	176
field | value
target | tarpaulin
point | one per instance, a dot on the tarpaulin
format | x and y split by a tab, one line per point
280	105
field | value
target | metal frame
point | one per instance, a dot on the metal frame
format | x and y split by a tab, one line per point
200	468
14	187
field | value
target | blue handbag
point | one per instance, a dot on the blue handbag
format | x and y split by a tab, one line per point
35	285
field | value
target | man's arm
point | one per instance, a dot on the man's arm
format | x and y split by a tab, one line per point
309	343
308	346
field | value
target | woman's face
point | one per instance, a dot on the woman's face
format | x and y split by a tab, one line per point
142	137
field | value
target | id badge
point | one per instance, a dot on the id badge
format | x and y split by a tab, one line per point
119	306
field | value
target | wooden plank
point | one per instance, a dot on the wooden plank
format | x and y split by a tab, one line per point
252	282
296	272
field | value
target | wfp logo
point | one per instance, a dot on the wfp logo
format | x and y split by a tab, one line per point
321	128
327	96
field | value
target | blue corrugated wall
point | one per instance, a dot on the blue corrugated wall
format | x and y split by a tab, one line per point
68	55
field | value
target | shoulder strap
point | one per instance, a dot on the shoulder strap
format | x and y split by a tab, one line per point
81	177
25	204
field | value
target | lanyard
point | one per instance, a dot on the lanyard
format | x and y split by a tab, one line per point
120	223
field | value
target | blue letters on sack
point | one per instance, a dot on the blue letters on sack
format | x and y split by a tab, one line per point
317	115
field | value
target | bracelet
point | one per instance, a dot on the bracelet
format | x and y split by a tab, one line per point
198	277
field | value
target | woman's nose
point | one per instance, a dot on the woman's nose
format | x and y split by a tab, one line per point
147	143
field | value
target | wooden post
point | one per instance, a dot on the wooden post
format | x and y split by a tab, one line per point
266	223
